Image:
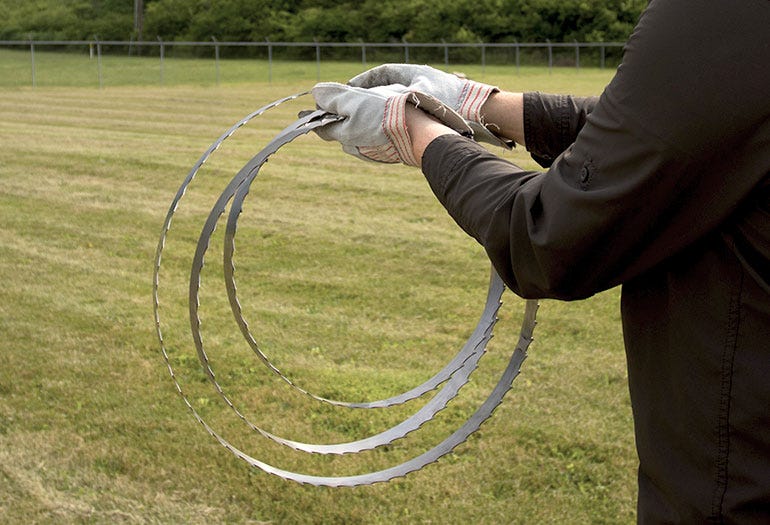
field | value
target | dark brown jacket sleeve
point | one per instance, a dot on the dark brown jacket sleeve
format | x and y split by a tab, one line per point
675	149
552	122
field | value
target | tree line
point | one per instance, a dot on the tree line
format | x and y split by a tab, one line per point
492	21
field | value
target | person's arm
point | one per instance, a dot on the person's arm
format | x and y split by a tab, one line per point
665	157
503	114
423	129
551	122
559	117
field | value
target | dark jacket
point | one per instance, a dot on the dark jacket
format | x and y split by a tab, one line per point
662	185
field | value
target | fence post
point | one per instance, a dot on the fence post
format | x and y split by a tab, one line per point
550	56
446	52
32	57
516	50
363	54
317	61
216	56
161	59
406	50
483	57
269	61
602	58
99	62
577	55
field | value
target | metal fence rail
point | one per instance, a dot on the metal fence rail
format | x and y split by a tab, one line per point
554	54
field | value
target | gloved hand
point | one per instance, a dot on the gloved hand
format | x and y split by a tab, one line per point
375	127
464	96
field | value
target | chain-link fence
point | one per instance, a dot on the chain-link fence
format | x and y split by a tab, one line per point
88	62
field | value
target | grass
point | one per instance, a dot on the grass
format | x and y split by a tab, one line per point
54	68
356	283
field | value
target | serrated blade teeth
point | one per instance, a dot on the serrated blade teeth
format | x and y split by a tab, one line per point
446	383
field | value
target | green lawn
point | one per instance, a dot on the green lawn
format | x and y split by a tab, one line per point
54	68
355	281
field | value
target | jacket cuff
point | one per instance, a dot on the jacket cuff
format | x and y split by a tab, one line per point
552	123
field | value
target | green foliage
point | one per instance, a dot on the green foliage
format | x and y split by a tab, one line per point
331	21
227	20
66	19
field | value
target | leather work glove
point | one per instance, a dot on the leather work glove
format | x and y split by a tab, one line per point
464	96
375	127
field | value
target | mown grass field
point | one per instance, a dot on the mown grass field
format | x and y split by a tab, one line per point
356	283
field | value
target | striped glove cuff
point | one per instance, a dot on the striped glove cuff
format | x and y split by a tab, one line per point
472	97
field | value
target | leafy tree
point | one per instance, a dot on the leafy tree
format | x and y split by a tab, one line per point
326	20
